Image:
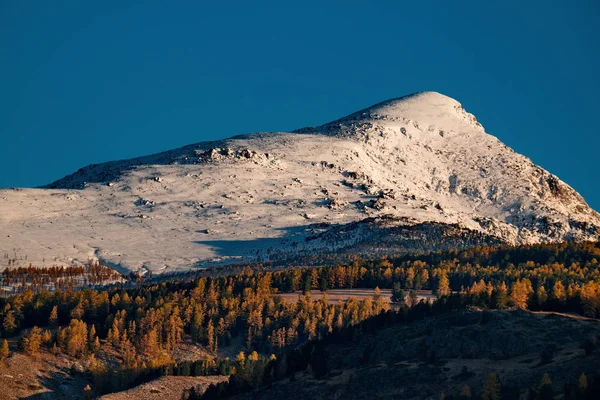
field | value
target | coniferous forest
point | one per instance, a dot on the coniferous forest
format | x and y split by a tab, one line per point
127	336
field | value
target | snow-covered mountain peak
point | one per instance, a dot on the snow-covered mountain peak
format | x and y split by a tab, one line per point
416	172
430	111
424	103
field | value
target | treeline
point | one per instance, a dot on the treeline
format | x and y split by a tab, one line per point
20	279
483	255
558	277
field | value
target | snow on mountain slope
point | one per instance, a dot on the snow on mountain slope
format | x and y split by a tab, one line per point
393	173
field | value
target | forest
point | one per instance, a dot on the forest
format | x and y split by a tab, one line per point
126	336
255	374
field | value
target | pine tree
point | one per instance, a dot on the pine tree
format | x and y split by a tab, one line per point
558	292
443	287
4	352
307	284
77	312
113	333
96	345
413	300
53	318
465	392
9	324
491	389
241	359
323	284
582	383
151	345
77	338
397	293
423	279
196	327
314	278
521	291
376	294
32	341
410	278
93	342
590	298
499	297
47	337
210	336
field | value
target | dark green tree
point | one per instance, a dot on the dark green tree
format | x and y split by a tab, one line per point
397	293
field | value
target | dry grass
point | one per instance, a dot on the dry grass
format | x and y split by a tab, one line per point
43	377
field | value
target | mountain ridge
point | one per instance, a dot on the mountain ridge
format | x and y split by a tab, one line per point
406	161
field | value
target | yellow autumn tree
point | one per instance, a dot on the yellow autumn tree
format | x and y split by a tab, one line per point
559	293
521	292
32	342
77	338
4	352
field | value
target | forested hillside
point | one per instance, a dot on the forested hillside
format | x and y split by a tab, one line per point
127	336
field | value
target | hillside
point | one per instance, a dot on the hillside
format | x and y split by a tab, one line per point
441	354
413	173
412	318
50	377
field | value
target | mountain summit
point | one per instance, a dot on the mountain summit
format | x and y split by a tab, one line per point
424	106
412	173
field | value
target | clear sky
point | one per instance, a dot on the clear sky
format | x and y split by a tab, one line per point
85	82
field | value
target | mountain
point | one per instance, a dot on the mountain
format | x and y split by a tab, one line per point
412	173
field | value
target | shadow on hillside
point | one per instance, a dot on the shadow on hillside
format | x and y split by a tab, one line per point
292	240
59	385
370	235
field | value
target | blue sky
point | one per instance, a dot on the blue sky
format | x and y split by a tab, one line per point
83	83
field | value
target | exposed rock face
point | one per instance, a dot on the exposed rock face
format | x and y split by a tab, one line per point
218	154
419	161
